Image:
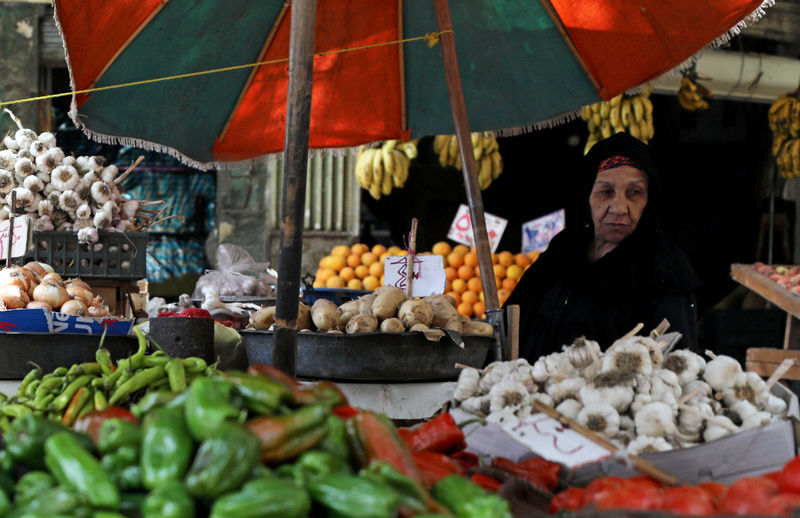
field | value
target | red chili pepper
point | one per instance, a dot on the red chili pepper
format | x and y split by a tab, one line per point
345	411
486	482
272	373
544	478
440	434
165	314
406	434
194	313
378	439
435	466
90	422
466	459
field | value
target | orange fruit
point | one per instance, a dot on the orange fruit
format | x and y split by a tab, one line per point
371	282
402	252
378	249
392	250
459	285
361	271
480	296
509	284
522	260
466	272
355	284
533	255
448	286
383	256
471	259
455	260
442	248
323	263
465	308
369	258
324	274
479	309
342	250
474	284
318	284
498	281
469	296
450	273
347	274
337	262
353	260
359	248
382	282
335	282
503	295
376	269
456	295
499	271
494	258
515	272
461	249
505	258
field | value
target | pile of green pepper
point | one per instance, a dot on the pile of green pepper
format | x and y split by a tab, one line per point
239	444
69	393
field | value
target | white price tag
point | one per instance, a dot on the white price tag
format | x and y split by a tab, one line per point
19	242
461	228
429	274
537	233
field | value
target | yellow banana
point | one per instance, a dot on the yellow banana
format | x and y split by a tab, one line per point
497	164
626	113
615	117
444	151
644	130
616	100
796	158
638	108
388	179
685	102
589	143
596	108
605	129
401	166
597	120
775	112
688	84
648	107
452	150
375	191
485	172
458	164
586	112
409	149
477	144
388	160
490	144
777	144
377	169
604	109
439	142
633	129
364	168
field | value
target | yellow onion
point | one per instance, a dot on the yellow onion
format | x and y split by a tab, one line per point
76	291
14	297
33	280
97	311
14	276
52	293
47	268
77	282
53	276
74	307
36	268
37	304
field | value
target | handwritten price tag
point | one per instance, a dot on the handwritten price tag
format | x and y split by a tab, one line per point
429	274
19	242
461	228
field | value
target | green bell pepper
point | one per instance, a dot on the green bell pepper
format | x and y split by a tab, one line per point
264	497
261	394
313	465
115	433
130	504
336	441
54	500
31	484
74	466
285	437
209	403
123	466
413	496
167	446
107	514
466	499
223	461
156	399
5	503
169	500
26	437
354	497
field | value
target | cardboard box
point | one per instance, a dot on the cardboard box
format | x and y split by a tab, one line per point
747	453
41	321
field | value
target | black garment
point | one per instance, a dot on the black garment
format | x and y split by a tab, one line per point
646	278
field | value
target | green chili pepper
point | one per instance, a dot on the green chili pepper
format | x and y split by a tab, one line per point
209	403
355	497
103	357
61	402
14	410
100	400
60	371
260	393
116	432
223	461
31	484
26	437
79	400
107	514
136	382
336	441
30	390
193	364
167	446
5	503
264	497
156	399
177	375
285	437
29	377
169	500
3	397
74	466
47	386
412	495
466	499
80	369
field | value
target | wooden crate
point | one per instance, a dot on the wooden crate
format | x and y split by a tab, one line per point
764	361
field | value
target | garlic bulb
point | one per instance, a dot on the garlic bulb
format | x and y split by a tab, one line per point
131	207
720	371
600	418
664	383
24	167
756	420
618	397
467	384
84	211
74	307
6	181
565	388
702	388
51	292
88	234
507	394
47	138
478	405
715	431
64	178
109	173
100	192
8	158
628	357
686	364
579	352
45	208
24	138
748	386
556	366
775	405
504	417
692	423
49	160
569	408
24	197
37	148
42	224
10	143
743	409
102	219
655	419
68	160
111	208
69	201
542	398
644	444
124	225
493	374
626	423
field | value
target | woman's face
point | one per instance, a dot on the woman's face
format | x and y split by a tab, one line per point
617	201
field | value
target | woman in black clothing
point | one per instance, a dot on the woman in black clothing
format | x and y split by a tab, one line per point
612	267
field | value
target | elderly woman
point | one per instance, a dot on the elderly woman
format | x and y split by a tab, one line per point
612	267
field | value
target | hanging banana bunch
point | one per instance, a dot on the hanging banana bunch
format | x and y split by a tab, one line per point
380	169
784	122
633	114
484	148
692	95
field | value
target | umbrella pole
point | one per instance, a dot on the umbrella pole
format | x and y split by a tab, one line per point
470	170
295	161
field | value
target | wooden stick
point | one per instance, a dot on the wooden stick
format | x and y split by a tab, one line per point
782	369
464	366
639	464
633	331
686	397
11	226
710	354
412	254
711	419
660	329
130	169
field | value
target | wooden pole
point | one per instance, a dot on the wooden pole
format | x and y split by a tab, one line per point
295	161
470	172
412	253
11	227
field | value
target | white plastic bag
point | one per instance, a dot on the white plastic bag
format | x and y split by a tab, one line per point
237	274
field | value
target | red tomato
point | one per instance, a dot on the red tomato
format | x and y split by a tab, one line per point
568	500
789	478
600	486
748	495
774	476
643	481
782	504
90	422
690	501
715	490
629	497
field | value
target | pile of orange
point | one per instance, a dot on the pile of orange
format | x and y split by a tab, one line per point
359	267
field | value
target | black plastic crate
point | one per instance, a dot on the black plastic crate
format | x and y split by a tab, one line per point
115	255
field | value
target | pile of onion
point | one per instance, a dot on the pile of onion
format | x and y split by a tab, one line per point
37	286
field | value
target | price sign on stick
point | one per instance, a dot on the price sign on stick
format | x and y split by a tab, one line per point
19	239
537	233
429	274
461	228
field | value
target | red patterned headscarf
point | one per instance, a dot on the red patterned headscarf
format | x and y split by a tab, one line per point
615	161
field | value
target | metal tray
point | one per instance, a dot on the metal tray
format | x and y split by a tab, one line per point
19	353
382	357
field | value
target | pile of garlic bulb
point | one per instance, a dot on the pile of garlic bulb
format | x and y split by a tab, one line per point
632	394
37	286
59	192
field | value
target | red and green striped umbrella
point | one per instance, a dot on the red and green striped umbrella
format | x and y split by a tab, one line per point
522	64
